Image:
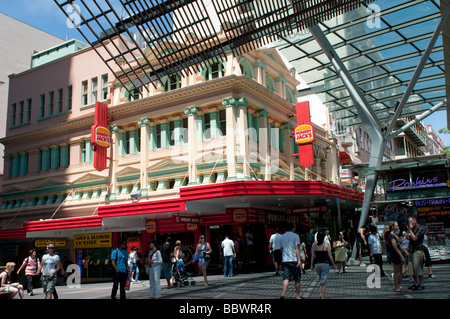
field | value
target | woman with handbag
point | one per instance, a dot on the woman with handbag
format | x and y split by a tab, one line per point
202	255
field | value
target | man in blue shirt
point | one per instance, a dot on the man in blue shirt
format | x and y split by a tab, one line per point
119	258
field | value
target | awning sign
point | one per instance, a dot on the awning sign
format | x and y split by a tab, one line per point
103	240
42	243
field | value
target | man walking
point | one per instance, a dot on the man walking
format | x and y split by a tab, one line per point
415	260
290	250
119	258
49	267
229	253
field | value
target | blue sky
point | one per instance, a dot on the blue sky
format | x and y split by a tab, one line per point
45	15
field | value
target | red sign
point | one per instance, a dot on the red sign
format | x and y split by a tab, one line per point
100	136
305	129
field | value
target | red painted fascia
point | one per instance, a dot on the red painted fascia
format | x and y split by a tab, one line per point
141	208
275	188
13	233
69	223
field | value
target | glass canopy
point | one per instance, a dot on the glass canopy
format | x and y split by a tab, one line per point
381	44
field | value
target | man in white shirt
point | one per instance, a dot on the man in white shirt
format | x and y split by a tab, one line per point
229	253
49	267
274	248
290	249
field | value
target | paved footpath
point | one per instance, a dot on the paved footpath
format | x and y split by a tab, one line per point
356	283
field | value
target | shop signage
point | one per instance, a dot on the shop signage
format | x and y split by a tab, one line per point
180	219
103	240
304	134
100	136
401	184
42	243
434	213
431	202
191	226
308	210
151	226
240	215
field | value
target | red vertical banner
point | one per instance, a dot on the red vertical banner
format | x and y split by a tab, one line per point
304	134
100	136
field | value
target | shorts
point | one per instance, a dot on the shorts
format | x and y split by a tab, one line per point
322	269
48	285
166	270
290	269
203	262
415	265
277	256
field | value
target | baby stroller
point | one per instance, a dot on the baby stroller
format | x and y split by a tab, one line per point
181	276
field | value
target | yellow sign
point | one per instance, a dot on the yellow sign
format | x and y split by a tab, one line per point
42	243
151	226
103	240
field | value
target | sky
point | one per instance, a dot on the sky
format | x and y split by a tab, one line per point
46	16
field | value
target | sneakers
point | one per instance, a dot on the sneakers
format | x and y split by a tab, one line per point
362	265
416	287
431	276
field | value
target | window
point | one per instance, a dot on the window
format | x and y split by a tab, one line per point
104	87
60	101
223	122
42	107
172	133
84	93
87	152
94	91
14	114
270	84
213	71
136	94
21	110
69	98
207	126
51	97
29	105
246	67
172	83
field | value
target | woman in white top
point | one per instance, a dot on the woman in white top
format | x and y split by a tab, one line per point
154	264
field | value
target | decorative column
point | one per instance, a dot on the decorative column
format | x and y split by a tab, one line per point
260	72
243	137
114	166
230	138
191	112
264	143
280	84
145	144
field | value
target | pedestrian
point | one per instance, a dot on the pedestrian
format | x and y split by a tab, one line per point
361	243
339	246
303	252
166	254
427	256
415	265
274	249
405	253
49	267
154	263
249	241
375	249
31	265
119	262
397	258
132	264
203	255
291	260
5	282
229	253
320	261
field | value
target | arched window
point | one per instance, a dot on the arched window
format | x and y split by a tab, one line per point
246	68
289	95
270	84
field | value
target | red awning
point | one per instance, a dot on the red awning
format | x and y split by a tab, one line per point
346	158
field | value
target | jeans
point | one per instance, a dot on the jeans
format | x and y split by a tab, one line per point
228	266
155	282
119	278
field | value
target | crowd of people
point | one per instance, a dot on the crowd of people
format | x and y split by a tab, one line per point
292	253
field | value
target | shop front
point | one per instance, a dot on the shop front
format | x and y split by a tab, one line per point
422	190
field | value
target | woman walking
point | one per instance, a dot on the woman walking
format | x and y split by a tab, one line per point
340	255
397	256
202	254
320	260
154	264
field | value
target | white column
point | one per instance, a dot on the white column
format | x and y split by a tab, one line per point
192	148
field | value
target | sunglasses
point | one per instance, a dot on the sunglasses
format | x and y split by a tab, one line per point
51	248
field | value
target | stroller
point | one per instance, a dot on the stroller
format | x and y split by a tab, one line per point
180	275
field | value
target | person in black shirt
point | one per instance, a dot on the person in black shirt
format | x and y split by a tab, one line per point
415	265
166	254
